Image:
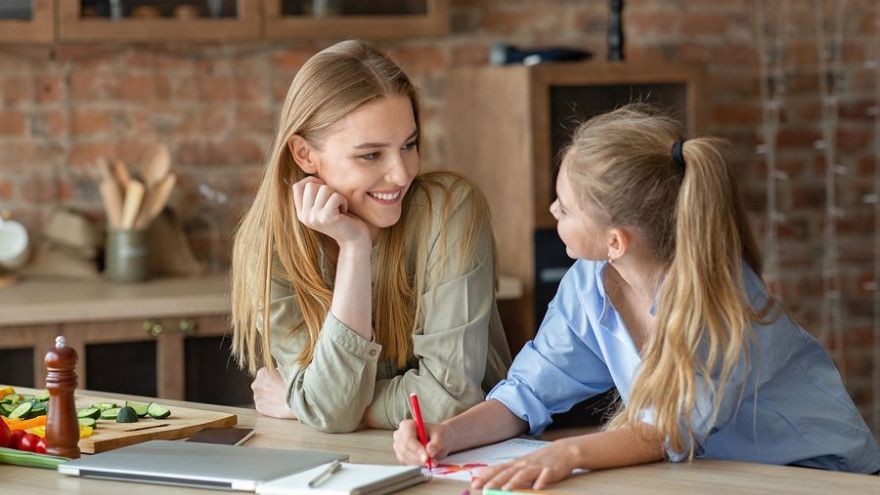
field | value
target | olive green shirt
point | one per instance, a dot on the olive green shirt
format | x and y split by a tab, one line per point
459	347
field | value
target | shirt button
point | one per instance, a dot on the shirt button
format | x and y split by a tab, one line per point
372	352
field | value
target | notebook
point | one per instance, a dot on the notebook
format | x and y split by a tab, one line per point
195	464
352	479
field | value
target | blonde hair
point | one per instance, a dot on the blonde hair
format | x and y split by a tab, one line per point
270	241
694	222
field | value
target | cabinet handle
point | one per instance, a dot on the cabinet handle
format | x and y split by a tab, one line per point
154	328
188	326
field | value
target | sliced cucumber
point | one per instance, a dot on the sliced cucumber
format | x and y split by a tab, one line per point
87	422
110	413
139	407
88	412
11	399
42	395
105	405
21	410
38	408
127	414
158	412
5	409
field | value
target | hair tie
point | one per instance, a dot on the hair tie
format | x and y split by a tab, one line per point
677	156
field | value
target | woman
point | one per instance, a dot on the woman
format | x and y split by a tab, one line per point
665	303
376	282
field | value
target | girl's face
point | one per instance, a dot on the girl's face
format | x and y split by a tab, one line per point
370	157
585	237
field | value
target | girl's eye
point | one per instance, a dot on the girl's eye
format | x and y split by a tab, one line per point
370	157
410	145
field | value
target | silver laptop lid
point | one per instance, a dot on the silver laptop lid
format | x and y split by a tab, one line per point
201	465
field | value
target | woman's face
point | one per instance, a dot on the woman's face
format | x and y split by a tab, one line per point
581	231
370	157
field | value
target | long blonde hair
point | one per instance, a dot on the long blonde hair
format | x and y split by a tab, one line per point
695	224
271	242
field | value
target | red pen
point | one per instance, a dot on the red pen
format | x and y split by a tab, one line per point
417	415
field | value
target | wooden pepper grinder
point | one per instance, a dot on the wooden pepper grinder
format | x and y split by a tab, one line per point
62	426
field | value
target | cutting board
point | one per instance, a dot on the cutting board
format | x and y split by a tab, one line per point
183	422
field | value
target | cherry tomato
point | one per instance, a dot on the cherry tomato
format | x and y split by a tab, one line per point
5	434
15	438
28	442
41	446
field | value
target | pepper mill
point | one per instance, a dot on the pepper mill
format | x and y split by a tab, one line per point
62	426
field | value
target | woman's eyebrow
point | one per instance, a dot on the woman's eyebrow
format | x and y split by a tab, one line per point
384	145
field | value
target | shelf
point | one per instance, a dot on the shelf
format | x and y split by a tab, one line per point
73	26
40	28
278	25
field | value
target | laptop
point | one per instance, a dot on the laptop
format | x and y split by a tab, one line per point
200	465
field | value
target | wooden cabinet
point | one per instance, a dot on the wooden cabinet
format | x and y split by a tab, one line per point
239	20
507	126
27	21
347	18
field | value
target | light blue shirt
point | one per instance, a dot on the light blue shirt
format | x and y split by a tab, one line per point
794	408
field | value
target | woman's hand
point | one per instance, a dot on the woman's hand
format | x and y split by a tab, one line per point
409	450
322	209
270	394
549	465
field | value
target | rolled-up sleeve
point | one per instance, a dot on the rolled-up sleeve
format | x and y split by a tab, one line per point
551	374
332	392
451	347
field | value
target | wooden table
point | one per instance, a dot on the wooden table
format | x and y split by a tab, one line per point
374	446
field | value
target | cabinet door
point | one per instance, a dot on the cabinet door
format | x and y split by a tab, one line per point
27	21
354	18
22	351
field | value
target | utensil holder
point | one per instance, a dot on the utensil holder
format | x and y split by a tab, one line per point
126	258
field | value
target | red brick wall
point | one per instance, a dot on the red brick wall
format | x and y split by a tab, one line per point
215	106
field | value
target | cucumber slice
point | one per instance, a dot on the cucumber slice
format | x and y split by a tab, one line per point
12	399
87	422
158	412
21	410
139	407
5	409
110	413
105	405
127	414
88	412
42	395
39	408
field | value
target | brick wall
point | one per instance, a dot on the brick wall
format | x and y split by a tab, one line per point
63	107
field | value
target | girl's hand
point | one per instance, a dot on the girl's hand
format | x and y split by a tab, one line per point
270	393
409	450
322	209
536	470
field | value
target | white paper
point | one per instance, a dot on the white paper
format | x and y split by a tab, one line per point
464	465
350	477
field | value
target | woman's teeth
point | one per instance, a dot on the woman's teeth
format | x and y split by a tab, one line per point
385	196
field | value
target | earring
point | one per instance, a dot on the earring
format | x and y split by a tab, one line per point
610	261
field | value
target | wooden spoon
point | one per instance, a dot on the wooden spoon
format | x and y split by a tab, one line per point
134	194
155	166
155	202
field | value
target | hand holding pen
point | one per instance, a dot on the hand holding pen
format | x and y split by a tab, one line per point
420	425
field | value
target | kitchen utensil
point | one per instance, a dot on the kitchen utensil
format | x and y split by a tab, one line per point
134	195
155	201
155	165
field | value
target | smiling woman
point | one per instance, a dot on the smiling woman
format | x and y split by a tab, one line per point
356	280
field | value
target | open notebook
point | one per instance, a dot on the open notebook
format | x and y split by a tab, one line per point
352	479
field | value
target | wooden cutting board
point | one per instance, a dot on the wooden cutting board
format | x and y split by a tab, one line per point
183	422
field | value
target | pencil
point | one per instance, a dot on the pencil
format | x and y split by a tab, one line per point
420	425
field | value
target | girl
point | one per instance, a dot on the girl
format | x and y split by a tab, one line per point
667	304
375	281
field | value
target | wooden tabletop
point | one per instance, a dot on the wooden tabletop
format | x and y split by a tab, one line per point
374	446
32	302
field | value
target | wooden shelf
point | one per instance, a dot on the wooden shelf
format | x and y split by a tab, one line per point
278	26
40	29
73	27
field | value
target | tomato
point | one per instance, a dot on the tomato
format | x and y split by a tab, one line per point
5	434
28	442
15	438
41	446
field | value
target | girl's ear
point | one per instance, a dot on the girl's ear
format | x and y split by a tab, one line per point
618	243
303	154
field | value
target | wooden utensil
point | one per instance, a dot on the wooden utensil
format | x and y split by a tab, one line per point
120	172
134	195
155	201
155	166
111	195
